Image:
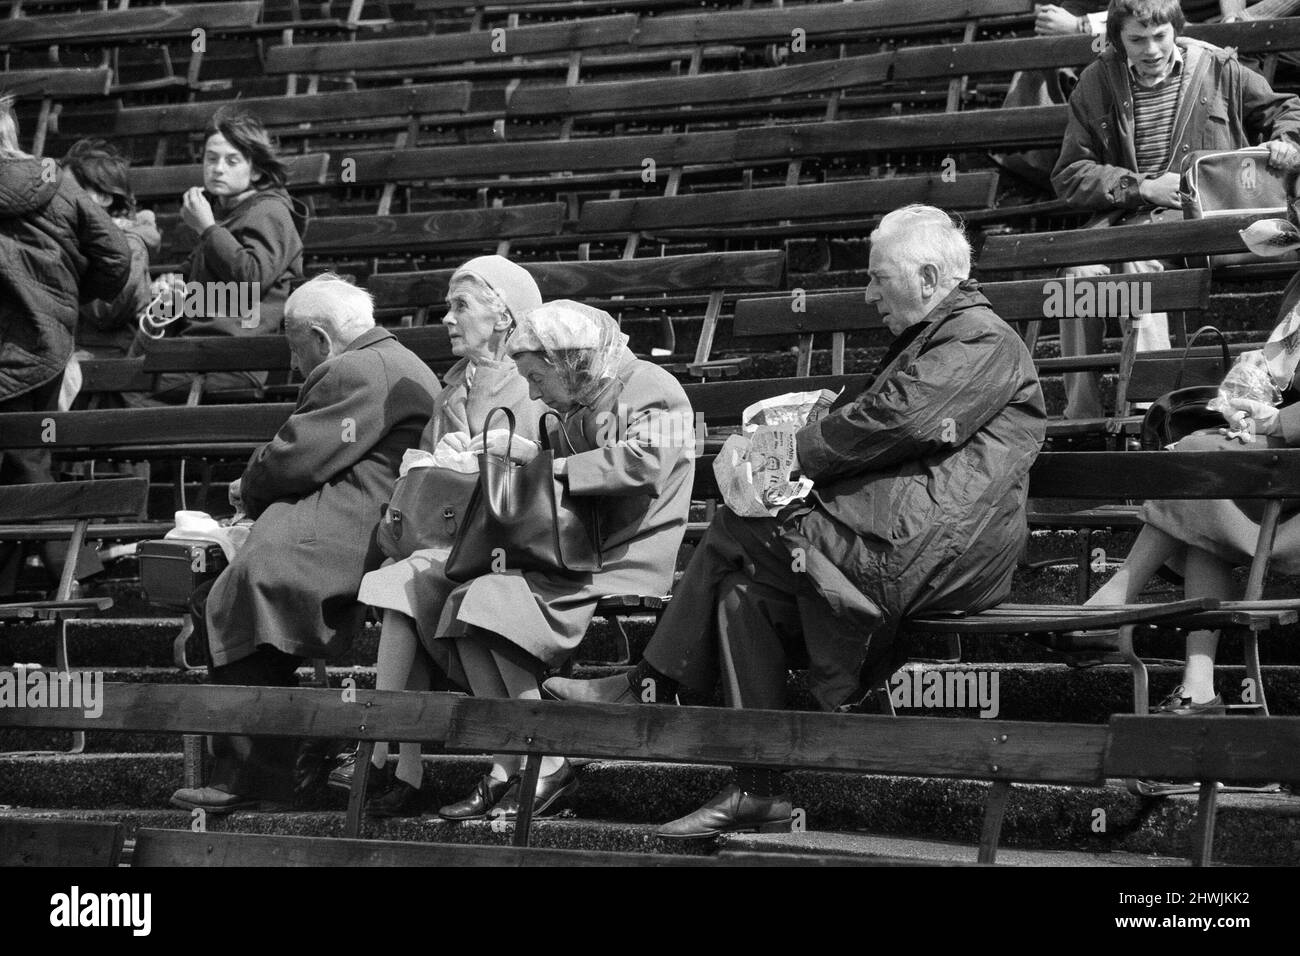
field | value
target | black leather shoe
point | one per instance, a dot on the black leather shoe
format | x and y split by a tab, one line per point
345	768
732	810
550	790
212	800
399	800
487	794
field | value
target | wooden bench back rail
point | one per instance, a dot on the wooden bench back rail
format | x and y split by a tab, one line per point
227	353
1176	238
961	748
731	271
31	842
418	100
814	201
56	82
976	129
905	64
72	500
137	23
1023	300
561	37
152	182
1110	476
403	232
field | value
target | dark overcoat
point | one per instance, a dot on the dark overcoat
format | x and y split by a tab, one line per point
921	483
316	490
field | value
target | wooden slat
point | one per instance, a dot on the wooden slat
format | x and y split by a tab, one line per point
829	19
1021	300
1250	473
135	23
284	110
1149	241
28	842
814	201
114	375
1028	126
143	426
722	402
310	169
1155	373
183	848
68	500
452	47
1052	618
415	231
1038	53
1046	753
603	277
707	88
1204	748
26	84
227	353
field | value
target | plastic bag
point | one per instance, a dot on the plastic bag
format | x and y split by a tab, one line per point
1248	378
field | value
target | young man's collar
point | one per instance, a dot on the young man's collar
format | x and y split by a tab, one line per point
1174	71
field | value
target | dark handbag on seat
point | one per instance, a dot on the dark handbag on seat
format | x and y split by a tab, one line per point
522	518
1182	411
426	510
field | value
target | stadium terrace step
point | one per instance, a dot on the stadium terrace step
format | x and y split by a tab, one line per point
618	804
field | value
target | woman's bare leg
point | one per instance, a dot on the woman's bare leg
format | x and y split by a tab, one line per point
1149	553
1205	576
494	675
397	645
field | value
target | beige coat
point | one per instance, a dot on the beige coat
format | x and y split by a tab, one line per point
631	448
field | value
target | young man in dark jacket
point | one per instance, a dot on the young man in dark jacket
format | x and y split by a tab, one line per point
58	248
918	506
1150	100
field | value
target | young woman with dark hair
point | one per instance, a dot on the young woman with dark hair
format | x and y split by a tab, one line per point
249	234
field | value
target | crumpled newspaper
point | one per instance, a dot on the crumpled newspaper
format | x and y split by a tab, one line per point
757	471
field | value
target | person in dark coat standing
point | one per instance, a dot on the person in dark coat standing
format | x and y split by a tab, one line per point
918	506
58	248
316	491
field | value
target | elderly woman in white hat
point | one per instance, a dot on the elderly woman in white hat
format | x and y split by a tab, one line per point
485	298
1204	540
625	438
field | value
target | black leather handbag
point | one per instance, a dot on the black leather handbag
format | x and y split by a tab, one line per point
522	518
1182	411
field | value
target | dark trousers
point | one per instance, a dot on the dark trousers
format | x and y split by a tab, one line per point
734	615
25	466
251	766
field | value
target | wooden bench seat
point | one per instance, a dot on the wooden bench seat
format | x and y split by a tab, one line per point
137	23
154	182
57	83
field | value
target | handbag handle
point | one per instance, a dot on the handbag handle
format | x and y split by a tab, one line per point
1223	345
494	471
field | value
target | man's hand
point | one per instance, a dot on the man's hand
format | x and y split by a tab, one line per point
1051	20
1283	155
236	500
521	450
1248	417
1162	191
196	211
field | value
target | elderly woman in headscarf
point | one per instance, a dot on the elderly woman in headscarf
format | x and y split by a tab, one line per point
485	298
625	439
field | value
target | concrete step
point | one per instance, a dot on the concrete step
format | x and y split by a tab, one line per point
626	799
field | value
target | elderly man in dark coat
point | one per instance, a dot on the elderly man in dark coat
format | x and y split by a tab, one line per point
918	506
316	491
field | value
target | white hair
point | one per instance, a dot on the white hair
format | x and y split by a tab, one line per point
919	235
333	303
